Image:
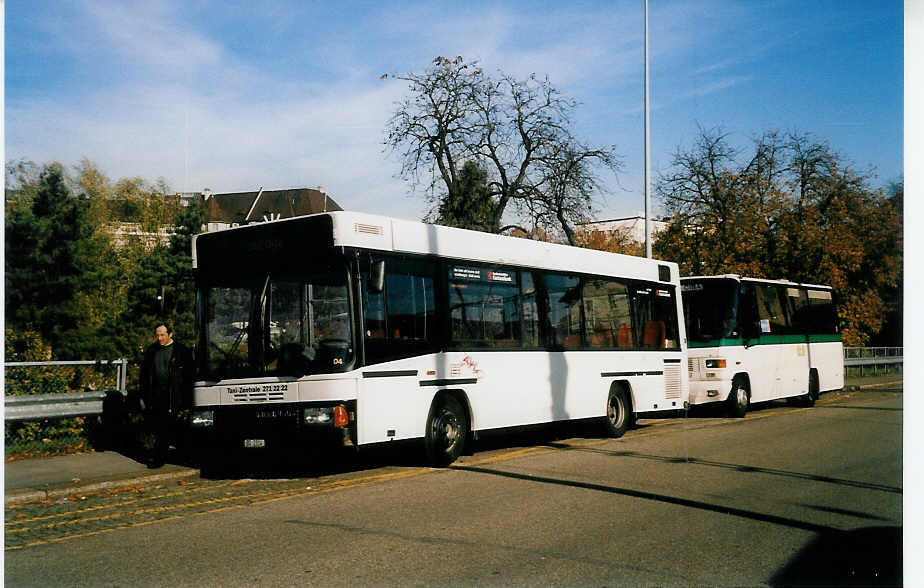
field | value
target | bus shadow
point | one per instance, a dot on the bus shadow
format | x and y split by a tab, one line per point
719	409
743	468
870	556
293	463
538	435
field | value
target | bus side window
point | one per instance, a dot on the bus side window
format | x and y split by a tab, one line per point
374	325
773	305
530	312
800	312
373	310
655	317
606	310
401	321
748	314
822	313
410	303
564	311
484	307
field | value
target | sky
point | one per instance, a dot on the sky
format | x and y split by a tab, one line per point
235	96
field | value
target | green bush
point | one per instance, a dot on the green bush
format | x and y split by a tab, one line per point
47	436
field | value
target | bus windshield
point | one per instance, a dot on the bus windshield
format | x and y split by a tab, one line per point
275	325
710	309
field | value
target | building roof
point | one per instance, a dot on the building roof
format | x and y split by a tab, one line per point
632	226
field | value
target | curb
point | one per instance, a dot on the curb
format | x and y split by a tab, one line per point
858	387
34	495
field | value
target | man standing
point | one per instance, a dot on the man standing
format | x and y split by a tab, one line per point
166	385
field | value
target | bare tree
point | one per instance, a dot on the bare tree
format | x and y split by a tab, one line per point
518	131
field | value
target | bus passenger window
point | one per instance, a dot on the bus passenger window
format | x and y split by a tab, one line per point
411	306
564	311
624	335
373	311
822	313
606	311
401	322
484	308
655	314
530	311
654	335
774	315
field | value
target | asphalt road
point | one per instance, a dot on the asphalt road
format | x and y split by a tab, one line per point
785	496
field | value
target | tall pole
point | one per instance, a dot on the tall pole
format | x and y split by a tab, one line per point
647	150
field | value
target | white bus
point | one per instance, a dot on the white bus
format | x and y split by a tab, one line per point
369	329
754	340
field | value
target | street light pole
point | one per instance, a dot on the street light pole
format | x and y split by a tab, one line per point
647	150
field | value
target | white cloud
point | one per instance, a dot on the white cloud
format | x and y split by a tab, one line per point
148	35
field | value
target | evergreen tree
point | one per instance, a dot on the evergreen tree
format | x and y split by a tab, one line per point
469	204
162	289
44	236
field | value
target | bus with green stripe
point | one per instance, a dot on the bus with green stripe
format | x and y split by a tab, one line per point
754	340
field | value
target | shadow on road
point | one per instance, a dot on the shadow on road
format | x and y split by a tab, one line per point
319	461
663	498
720	410
729	466
863	557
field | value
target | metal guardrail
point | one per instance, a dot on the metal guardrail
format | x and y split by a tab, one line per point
873	357
46	406
63	404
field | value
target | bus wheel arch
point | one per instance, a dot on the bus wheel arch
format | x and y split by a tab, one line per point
809	398
448	428
620	413
739	397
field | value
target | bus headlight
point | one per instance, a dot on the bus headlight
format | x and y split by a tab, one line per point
713	364
327	415
318	415
203	418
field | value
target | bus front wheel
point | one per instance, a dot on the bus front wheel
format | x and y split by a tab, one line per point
618	413
447	428
738	398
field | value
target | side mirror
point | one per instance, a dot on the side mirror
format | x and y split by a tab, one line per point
377	277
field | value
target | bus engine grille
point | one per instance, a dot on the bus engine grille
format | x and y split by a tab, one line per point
672	380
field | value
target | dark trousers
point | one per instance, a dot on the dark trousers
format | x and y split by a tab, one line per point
159	424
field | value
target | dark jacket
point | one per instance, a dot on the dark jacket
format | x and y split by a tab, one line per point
181	377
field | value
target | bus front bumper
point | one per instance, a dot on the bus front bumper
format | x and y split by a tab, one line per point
272	427
708	391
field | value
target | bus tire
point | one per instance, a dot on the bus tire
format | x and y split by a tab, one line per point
447	430
738	398
618	412
808	399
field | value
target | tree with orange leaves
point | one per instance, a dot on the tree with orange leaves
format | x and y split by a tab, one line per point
794	209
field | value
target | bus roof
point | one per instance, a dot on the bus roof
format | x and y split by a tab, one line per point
739	278
382	233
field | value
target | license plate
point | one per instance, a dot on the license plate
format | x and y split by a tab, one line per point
254	443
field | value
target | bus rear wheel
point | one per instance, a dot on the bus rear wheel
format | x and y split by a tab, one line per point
618	413
738	398
447	428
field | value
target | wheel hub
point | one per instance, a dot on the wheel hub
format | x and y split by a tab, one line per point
447	428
